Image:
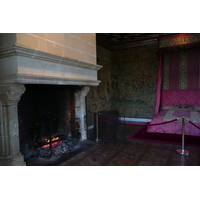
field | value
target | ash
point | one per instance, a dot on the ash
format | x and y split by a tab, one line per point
52	153
59	154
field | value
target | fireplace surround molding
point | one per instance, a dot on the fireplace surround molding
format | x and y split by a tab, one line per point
26	66
9	134
81	111
19	66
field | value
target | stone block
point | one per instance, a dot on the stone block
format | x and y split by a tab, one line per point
93	39
67	40
54	48
67	52
27	40
42	44
90	49
77	44
86	37
89	59
55	37
41	35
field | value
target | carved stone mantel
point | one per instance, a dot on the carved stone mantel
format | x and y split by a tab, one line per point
25	66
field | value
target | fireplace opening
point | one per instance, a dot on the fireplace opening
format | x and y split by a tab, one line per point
47	121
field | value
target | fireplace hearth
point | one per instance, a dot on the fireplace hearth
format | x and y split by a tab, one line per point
46	120
59	156
56	149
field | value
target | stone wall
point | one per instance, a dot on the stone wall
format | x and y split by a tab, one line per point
78	46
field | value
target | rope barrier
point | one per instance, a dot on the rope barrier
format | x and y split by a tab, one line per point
183	119
138	124
194	124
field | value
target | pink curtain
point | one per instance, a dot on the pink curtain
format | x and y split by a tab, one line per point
159	83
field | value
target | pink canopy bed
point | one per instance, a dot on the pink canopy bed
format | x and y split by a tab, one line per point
176	104
178	88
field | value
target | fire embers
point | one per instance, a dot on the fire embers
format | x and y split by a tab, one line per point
55	148
54	142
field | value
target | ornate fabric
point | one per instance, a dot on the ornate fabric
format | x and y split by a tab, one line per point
181	97
175	127
193	116
179	41
159	84
166	71
183	70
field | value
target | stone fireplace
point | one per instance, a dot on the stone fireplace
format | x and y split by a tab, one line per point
28	73
46	119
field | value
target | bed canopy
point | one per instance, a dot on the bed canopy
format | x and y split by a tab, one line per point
178	86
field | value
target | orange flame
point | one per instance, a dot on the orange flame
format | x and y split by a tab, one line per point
54	144
53	139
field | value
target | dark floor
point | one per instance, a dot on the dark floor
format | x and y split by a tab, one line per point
134	153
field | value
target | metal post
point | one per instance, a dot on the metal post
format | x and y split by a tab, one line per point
115	125
73	135
124	129
97	128
182	151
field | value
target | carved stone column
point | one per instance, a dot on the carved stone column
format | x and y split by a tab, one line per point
80	110
9	133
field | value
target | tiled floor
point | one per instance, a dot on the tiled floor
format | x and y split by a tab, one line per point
135	153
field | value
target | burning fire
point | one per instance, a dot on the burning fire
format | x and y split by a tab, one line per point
53	139
53	144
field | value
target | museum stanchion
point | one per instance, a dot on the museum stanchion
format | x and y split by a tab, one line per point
97	127
182	150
